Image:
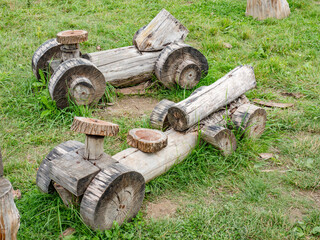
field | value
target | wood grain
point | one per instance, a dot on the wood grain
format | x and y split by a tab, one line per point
158	117
161	31
263	9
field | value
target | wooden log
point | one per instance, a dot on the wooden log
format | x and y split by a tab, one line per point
147	140
1	164
158	117
72	172
250	119
188	112
161	31
263	9
125	66
48	51
72	36
115	194
181	64
153	165
9	215
220	137
60	84
43	180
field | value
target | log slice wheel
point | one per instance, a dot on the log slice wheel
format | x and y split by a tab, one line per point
50	50
147	140
72	36
81	79
115	194
181	64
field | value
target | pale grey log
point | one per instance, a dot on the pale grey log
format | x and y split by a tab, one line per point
192	110
158	117
250	119
9	214
93	147
125	66
72	172
263	9
153	165
43	180
220	137
115	194
161	31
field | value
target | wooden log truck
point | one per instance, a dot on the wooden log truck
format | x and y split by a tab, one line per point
157	48
112	188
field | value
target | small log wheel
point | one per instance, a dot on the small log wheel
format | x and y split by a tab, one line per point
50	50
72	36
181	64
80	78
251	119
43	180
115	194
158	117
147	140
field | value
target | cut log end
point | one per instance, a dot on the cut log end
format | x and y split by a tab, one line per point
147	140
188	74
72	36
115	194
220	137
158	117
251	119
82	91
177	118
95	127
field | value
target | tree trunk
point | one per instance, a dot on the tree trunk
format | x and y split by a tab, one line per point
153	165
192	110
263	9
9	215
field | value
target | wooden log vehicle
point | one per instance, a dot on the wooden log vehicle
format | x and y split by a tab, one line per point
112	188
158	48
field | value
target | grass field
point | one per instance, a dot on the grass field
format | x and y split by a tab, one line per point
216	197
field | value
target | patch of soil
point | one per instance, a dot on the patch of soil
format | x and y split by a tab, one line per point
130	106
162	209
295	215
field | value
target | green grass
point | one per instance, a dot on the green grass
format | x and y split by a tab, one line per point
220	197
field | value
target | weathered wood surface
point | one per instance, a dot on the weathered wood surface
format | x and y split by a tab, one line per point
61	82
250	119
72	36
67	197
50	50
263	9
147	140
158	117
181	64
161	31
153	165
9	215
72	172
94	147
43	180
91	126
124	66
192	110
115	194
219	137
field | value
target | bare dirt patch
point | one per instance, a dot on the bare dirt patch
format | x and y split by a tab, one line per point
161	209
295	214
129	106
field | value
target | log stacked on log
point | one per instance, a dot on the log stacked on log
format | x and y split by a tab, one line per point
9	215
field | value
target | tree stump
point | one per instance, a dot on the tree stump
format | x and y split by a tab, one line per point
263	9
250	119
115	194
158	117
147	140
181	64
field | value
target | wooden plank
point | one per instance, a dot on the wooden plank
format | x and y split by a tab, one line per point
190	111
43	180
72	172
161	31
153	165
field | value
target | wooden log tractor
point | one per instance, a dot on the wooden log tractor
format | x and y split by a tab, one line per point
157	48
112	188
